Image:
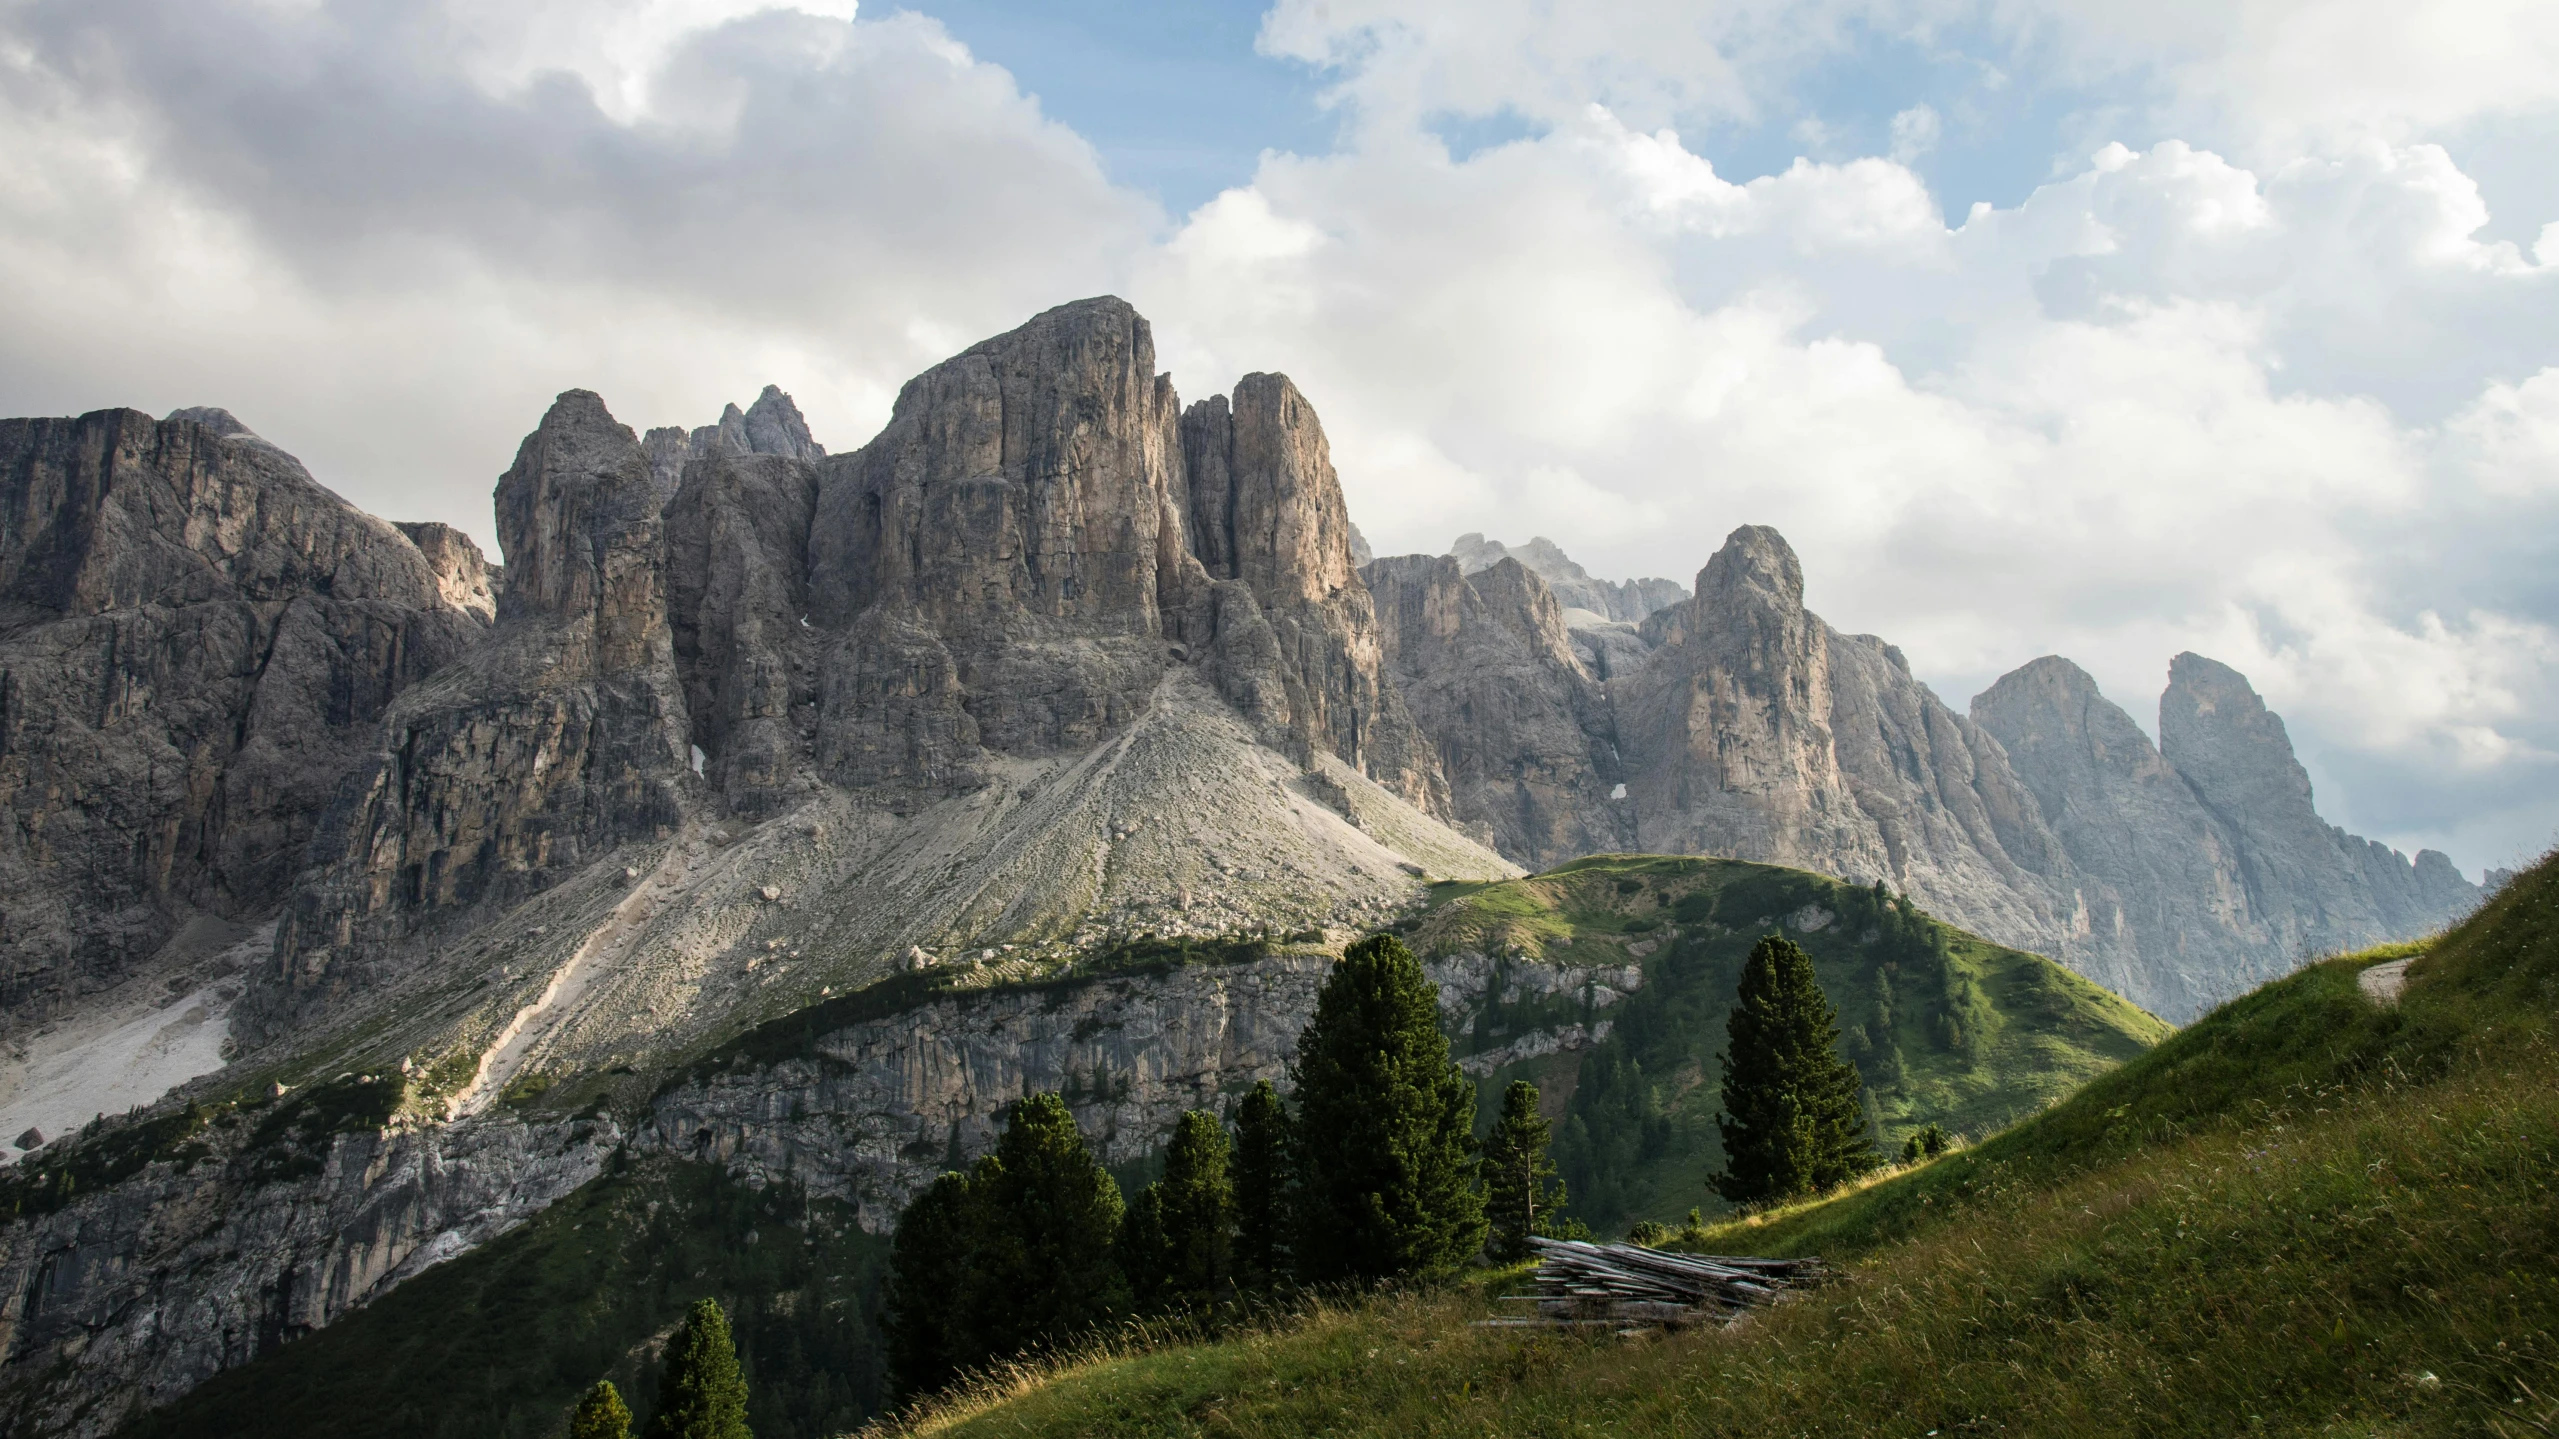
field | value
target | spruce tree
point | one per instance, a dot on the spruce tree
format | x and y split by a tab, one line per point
601	1414
1262	1179
1792	1124
930	1289
1521	1195
701	1394
1385	1127
1046	1268
1179	1239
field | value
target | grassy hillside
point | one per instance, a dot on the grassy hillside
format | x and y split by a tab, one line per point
2306	1214
499	1343
1945	1026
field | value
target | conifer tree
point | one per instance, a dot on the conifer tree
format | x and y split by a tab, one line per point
1521	1194
1046	1267
701	1394
1179	1239
1262	1179
1792	1123
601	1414
931	1287
1385	1127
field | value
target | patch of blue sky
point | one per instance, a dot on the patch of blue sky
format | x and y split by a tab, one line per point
1171	93
1989	118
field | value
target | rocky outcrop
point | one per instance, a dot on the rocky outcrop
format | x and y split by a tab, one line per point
1266	510
130	1296
1523	733
1624	601
195	640
464	576
562	737
875	1109
2317	888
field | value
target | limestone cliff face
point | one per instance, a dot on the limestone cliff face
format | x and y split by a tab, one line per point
1726	730
2316	887
877	1108
195	639
1524	734
997	562
560	738
1266	510
131	1296
2155	869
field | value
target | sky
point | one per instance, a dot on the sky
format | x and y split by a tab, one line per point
2039	326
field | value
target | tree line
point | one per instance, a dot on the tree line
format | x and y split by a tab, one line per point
1368	1170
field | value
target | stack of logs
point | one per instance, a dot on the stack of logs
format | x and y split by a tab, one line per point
1627	1285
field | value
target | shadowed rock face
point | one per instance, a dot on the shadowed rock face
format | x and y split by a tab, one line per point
1524	735
556	741
195	641
738	595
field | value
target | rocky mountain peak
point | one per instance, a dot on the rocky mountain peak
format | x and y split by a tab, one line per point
215	419
1266	506
1755	567
774	427
2215	729
577	520
1595	600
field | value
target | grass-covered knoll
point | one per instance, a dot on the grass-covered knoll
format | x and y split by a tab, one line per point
2303	1215
1944	1026
499	1343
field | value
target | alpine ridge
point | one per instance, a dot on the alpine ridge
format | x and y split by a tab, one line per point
790	812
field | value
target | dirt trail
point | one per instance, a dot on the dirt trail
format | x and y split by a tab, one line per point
2382	983
506	1055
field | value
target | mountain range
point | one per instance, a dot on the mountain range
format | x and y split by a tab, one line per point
434	885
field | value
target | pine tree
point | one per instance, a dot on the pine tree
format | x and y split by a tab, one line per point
1178	1242
1046	1268
1145	1257
601	1414
1385	1162
1521	1195
930	1287
1792	1123
1262	1179
701	1394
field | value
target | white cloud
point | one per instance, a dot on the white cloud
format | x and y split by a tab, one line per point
1915	132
